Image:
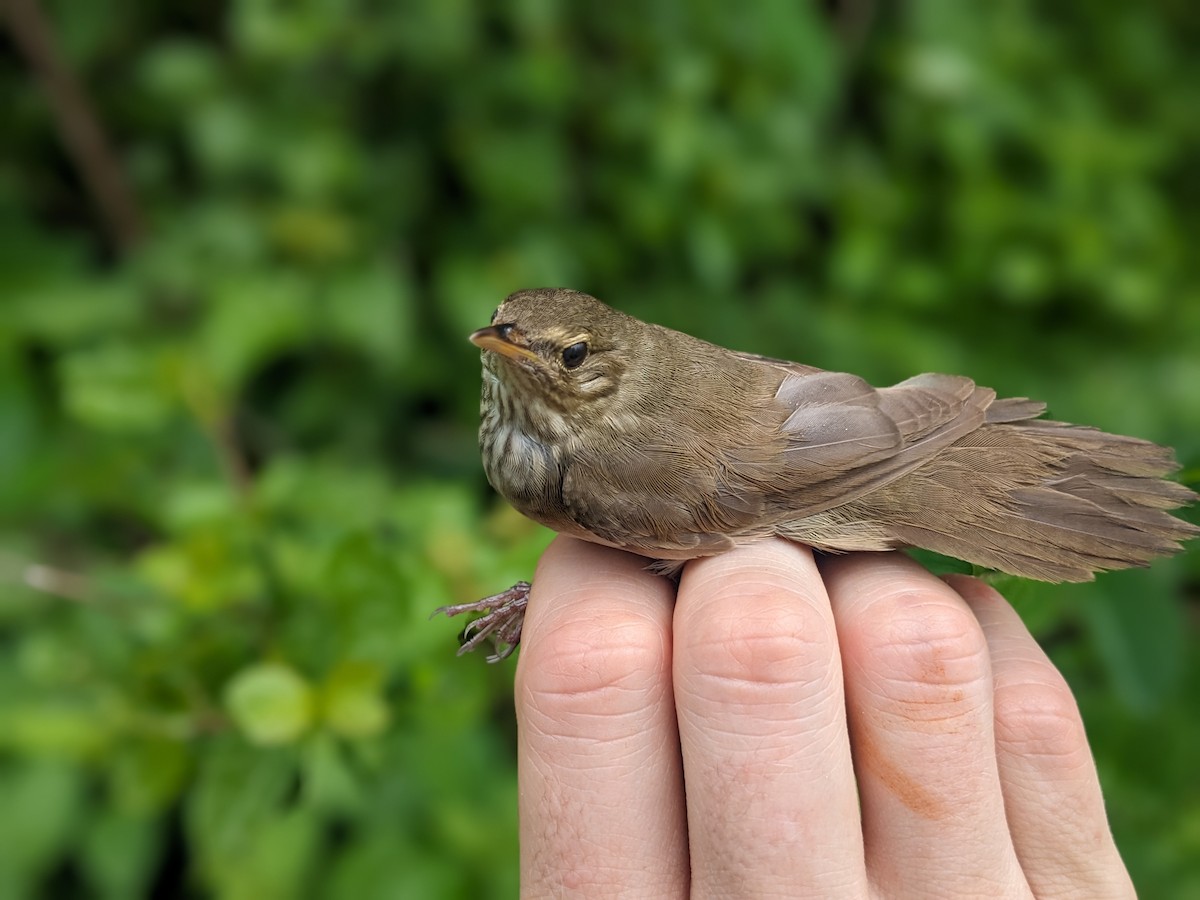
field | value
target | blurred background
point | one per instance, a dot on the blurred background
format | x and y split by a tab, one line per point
241	246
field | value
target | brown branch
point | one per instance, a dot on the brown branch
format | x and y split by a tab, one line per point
50	580
853	20
45	579
217	423
233	462
78	127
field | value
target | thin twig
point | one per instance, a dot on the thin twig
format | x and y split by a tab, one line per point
853	20
78	126
46	579
224	438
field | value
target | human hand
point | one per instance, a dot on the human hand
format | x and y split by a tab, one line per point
854	728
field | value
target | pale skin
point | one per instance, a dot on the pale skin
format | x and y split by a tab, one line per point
780	727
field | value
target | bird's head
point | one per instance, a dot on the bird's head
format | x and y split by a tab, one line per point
561	350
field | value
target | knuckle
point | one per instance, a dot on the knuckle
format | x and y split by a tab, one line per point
918	650
604	665
1040	719
757	641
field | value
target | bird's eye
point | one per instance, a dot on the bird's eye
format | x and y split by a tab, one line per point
574	355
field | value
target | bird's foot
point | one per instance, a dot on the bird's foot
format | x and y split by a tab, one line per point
505	614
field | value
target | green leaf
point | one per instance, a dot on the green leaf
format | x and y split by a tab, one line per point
330	782
146	775
119	854
181	72
382	865
118	387
271	703
254	315
54	729
1140	631
250	845
352	701
370	308
42	802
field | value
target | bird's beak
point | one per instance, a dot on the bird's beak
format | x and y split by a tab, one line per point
498	338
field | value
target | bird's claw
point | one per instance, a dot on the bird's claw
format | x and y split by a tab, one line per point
505	614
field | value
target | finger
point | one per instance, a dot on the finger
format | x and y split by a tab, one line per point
771	801
919	703
600	778
1051	790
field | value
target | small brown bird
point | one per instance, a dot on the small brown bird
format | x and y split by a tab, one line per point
635	436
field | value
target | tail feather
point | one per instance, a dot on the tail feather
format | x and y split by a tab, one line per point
1041	499
1014	409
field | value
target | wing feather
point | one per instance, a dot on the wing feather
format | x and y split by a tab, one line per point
846	438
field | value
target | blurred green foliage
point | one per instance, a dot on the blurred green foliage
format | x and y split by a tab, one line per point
238	465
